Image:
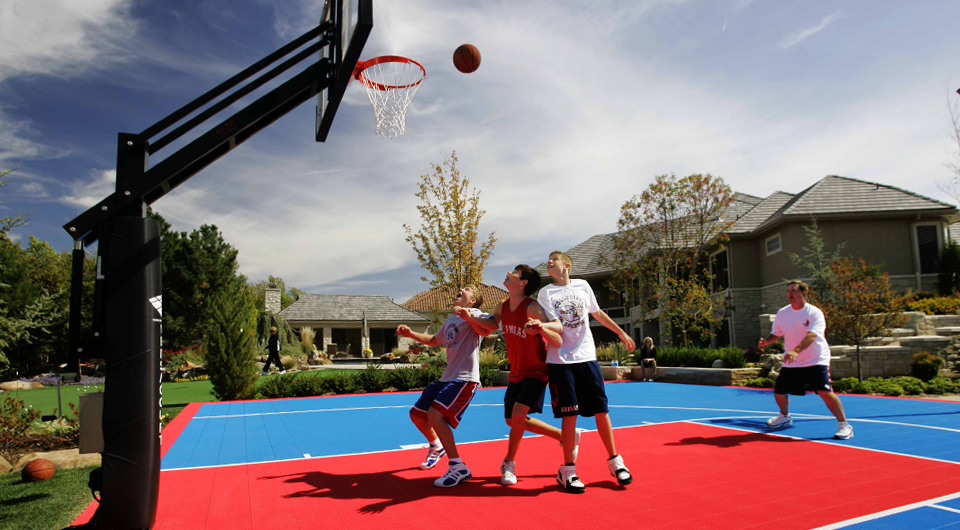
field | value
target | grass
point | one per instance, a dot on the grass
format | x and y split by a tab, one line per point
176	396
48	505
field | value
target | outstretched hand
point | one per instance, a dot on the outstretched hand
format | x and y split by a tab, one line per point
403	330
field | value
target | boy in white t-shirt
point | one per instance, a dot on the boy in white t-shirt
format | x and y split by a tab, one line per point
806	358
576	384
442	404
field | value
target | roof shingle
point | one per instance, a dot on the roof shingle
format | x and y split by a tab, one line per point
441	298
338	307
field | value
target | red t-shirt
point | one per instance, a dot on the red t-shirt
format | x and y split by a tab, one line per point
525	349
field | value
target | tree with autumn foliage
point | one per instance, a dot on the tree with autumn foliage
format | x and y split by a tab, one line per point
661	248
860	304
447	241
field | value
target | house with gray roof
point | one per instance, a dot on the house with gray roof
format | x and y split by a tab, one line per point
881	224
353	323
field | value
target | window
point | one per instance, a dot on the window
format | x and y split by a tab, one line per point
773	244
928	247
720	270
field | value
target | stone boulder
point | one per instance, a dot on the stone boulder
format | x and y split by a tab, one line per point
717	363
771	364
12	386
65	459
316	358
387	357
5	466
186	366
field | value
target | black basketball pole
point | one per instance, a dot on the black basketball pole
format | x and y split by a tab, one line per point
130	247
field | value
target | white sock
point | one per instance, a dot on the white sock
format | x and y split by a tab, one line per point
436	444
455	461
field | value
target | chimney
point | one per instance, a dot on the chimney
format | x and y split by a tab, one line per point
272	300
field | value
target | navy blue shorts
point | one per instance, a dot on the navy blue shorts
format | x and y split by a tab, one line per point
527	392
796	380
577	389
451	398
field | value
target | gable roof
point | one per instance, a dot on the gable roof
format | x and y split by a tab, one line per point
587	257
834	194
441	298
340	307
756	216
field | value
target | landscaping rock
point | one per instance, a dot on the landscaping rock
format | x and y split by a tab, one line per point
11	386
717	363
65	459
771	365
387	357
5	466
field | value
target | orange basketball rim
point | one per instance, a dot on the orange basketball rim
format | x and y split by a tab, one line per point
391	81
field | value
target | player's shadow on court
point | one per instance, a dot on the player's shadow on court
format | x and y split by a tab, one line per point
731	440
391	488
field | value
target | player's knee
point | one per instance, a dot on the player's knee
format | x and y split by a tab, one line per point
509	422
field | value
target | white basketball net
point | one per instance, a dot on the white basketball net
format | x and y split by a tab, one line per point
391	86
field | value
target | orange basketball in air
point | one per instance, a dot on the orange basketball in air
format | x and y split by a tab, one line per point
37	470
466	58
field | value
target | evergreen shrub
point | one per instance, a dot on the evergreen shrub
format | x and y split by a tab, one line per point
925	365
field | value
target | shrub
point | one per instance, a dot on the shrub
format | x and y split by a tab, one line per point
429	374
231	345
307	335
878	385
911	385
925	365
15	419
308	385
760	382
849	385
613	351
940	385
404	378
941	305
339	383
733	357
489	376
281	386
289	363
504	364
373	378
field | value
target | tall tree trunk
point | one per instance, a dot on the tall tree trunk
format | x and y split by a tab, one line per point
859	363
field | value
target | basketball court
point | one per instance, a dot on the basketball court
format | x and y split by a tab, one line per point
701	457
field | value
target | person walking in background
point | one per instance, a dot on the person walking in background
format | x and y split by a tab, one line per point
648	360
806	358
273	352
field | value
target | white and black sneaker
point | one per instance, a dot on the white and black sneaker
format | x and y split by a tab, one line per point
844	431
508	473
620	471
568	479
780	421
456	473
434	454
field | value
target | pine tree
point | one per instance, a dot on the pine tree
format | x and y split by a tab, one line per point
231	344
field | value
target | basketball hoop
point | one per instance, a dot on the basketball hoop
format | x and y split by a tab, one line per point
391	81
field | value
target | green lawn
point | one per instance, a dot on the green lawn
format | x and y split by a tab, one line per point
175	395
48	505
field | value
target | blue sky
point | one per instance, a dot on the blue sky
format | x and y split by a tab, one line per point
576	107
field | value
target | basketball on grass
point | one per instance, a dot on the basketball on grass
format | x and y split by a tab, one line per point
37	470
466	58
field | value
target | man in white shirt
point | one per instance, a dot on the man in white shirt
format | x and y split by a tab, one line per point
806	358
576	384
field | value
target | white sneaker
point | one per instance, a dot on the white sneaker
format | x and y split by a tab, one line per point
568	479
455	474
780	421
507	470
283	371
617	469
844	432
433	456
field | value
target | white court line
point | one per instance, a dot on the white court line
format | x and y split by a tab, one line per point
937	506
891	511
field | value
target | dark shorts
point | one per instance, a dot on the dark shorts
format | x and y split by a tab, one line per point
577	389
451	398
796	380
527	392
647	363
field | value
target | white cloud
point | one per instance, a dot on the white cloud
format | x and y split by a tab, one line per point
89	193
799	36
61	37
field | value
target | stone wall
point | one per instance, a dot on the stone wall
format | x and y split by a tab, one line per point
702	376
272	300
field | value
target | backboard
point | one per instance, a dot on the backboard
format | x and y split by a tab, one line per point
352	21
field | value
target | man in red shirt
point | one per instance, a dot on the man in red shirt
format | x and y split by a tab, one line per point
528	366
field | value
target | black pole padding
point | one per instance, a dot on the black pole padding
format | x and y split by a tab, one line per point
130	251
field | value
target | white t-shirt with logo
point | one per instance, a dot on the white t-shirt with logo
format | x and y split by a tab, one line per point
793	325
463	348
572	304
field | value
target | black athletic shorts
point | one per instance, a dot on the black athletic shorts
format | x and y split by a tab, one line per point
796	380
527	392
577	389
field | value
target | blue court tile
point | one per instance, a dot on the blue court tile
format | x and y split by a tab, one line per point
952	503
917	519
